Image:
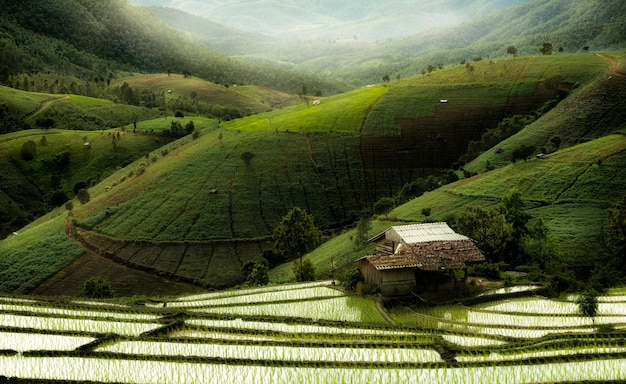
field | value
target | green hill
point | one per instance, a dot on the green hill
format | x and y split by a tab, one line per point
89	39
198	208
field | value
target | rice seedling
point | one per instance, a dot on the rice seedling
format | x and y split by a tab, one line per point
76	325
501	356
76	312
275	352
471	341
250	291
21	342
295	328
262	297
142	371
337	309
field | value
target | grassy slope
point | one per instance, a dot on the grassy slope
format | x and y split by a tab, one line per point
250	99
167	196
569	189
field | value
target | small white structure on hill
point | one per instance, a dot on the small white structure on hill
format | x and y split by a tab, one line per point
408	256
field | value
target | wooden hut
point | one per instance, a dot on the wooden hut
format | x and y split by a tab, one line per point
409	256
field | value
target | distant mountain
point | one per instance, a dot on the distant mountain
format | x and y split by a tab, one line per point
526	25
327	19
86	38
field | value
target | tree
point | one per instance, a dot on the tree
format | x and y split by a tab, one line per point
362	230
487	228
617	234
83	196
384	205
296	234
523	152
588	304
256	273
511	50
189	128
546	49
304	270
98	288
28	150
247	158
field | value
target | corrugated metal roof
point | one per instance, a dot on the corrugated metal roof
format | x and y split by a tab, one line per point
420	233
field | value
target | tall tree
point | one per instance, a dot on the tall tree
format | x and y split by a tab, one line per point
296	234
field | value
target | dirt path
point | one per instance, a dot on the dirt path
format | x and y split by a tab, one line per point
381	310
43	106
614	63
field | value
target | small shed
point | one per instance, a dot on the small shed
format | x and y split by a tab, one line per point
409	256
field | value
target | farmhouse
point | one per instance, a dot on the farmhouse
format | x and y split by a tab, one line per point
411	257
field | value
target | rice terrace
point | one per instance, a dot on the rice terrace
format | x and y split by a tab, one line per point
312	332
312	191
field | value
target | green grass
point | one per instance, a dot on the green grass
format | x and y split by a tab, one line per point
22	101
341	113
33	255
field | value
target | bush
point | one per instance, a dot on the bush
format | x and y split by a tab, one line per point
256	273
83	196
28	151
351	278
304	270
98	288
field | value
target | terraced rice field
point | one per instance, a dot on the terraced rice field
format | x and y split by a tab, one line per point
310	333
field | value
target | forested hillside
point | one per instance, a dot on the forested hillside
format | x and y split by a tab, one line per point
93	39
520	29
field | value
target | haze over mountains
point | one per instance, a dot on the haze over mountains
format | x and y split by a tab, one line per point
360	44
327	19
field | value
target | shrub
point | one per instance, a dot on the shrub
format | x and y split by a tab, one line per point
304	270
28	151
98	288
351	278
83	196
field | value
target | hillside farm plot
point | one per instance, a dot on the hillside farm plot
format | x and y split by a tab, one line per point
132	343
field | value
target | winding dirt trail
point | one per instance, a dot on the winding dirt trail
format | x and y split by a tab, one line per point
43	106
613	61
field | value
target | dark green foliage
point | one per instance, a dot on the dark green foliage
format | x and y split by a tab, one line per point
362	232
546	49
256	273
411	190
190	127
69	206
94	37
384	205
98	288
523	152
588	303
83	196
351	278
304	270
247	157
505	234
62	160
28	150
58	198
296	234
45	123
487	228
179	114
10	120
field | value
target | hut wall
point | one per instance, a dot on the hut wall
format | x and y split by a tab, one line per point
397	281
370	274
